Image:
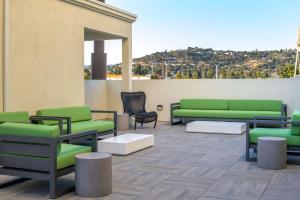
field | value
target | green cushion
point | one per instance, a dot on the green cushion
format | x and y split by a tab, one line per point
66	157
253	105
99	125
33	130
292	140
204	104
16	117
296	118
79	113
227	114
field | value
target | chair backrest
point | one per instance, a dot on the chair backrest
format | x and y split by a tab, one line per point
77	113
133	102
15	117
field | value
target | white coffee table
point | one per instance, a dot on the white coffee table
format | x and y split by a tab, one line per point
216	127
125	144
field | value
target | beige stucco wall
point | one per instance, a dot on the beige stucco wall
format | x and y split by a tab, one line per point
46	52
1	53
165	92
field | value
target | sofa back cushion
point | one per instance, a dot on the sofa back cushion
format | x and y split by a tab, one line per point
77	114
204	104
16	117
255	105
30	130
296	118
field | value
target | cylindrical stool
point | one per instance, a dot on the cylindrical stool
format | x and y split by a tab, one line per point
271	153
123	122
93	174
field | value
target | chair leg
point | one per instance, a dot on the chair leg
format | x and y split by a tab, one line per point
155	123
142	124
52	183
135	125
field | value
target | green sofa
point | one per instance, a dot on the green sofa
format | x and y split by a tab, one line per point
291	132
223	109
37	151
79	119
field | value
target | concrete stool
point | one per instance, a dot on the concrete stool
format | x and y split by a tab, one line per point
271	153
123	122
93	174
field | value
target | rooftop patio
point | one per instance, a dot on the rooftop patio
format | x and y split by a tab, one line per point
183	166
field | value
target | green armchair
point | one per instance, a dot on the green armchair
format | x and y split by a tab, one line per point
291	132
33	151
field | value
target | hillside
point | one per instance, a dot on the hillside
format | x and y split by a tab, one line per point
200	63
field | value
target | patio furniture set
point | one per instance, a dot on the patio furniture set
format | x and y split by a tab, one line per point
238	116
57	141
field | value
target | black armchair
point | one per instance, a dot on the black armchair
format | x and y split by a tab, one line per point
134	105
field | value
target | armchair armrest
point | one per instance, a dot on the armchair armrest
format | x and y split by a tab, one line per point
60	120
283	123
81	137
115	113
174	106
271	118
284	110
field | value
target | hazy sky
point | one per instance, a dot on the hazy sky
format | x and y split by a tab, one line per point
218	24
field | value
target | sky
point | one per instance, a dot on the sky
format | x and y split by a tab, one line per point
219	24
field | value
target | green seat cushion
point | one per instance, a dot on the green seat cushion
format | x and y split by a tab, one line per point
204	104
227	114
253	105
66	157
16	117
292	140
296	118
99	125
78	113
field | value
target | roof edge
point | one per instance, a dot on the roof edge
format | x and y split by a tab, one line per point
103	8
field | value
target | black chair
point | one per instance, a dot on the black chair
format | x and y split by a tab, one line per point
134	105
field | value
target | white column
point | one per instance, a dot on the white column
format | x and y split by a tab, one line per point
127	64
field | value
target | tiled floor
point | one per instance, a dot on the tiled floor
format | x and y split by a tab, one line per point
184	166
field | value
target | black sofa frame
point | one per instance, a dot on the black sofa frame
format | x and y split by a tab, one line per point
41	169
281	121
69	122
177	120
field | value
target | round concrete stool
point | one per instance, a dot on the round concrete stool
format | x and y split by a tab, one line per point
271	153
123	122
93	174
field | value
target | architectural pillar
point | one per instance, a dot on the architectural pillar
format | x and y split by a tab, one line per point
99	61
127	64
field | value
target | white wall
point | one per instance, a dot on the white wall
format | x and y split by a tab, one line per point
165	92
96	95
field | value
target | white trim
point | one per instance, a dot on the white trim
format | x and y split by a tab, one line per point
6	56
104	8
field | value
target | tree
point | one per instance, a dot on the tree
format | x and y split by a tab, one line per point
87	74
178	75
286	71
195	75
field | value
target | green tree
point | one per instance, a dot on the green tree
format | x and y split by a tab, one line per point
286	71
195	75
87	74
178	75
